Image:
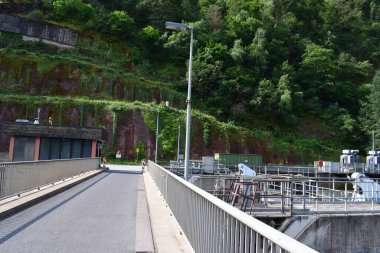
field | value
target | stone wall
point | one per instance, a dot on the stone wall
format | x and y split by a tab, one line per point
37	29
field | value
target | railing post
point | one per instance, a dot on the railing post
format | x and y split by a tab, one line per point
291	198
282	196
373	197
166	185
333	190
316	195
303	196
345	197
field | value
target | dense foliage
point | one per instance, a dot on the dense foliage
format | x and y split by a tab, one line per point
263	64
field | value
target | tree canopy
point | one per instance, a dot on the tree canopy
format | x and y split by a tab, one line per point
271	61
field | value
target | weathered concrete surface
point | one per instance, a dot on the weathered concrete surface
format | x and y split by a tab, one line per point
338	234
37	29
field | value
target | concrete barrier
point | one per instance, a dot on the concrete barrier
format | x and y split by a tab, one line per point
338	234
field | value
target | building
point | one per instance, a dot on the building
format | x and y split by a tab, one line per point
31	142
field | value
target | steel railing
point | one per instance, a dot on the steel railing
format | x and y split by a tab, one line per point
211	225
295	196
19	177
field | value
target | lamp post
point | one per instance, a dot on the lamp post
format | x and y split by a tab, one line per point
155	153
158	122
179	135
183	27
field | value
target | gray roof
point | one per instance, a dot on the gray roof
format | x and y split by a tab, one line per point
54	131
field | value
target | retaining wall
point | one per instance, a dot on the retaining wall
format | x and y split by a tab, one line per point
37	29
338	234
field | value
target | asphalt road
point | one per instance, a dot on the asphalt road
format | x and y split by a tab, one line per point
98	215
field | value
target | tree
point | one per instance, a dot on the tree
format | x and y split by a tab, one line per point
238	51
71	9
257	49
283	89
214	18
265	98
318	71
370	110
150	37
242	26
119	25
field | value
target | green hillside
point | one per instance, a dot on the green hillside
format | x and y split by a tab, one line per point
300	76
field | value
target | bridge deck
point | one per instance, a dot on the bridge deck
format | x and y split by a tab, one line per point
106	213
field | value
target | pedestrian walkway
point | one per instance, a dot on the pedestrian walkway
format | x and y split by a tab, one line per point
168	236
119	210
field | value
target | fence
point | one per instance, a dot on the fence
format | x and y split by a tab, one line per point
18	177
281	196
211	225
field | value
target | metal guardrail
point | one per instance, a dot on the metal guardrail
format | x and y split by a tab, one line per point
211	225
196	168
273	169
294	196
312	171
19	177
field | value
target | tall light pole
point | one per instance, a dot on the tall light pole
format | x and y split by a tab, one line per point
155	153
183	27
179	135
158	123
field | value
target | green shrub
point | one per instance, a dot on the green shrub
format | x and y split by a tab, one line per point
72	9
117	24
36	15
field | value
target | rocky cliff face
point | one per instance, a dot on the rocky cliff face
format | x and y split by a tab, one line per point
131	129
45	75
21	74
34	76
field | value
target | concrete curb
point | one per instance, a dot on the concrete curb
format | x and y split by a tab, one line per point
15	205
144	242
167	234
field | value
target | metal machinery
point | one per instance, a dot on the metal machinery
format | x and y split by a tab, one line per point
208	165
350	160
365	189
373	161
246	171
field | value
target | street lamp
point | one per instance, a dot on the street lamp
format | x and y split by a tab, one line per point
155	153
179	135
158	122
183	27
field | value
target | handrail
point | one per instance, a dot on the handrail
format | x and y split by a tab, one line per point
211	225
291	196
19	177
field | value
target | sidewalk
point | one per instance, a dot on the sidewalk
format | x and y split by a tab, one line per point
167	235
153	212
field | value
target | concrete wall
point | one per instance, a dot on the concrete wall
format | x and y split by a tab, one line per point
338	234
9	23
